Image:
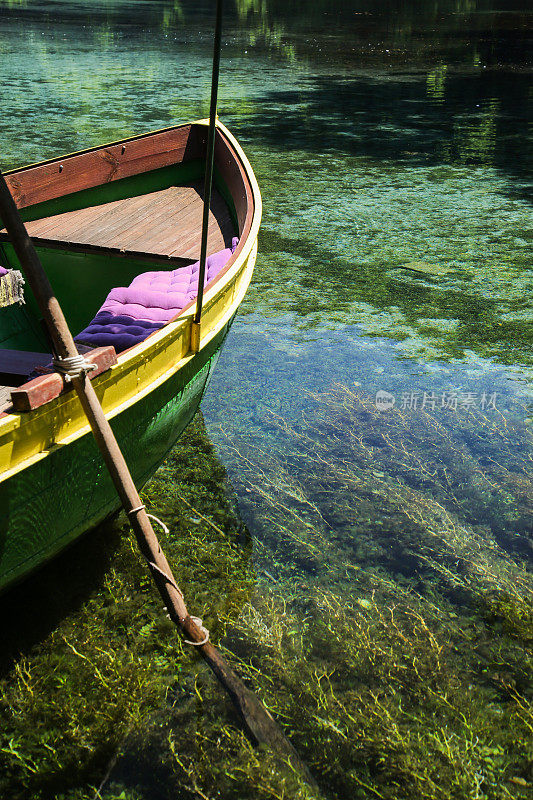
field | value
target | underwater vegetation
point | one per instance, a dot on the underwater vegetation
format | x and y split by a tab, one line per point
382	611
405	537
88	653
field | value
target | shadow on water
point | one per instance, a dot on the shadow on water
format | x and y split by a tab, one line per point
33	608
476	119
441	308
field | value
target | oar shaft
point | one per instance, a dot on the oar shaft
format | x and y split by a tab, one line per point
35	275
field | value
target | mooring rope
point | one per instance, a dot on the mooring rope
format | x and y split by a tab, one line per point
134	510
166	576
72	366
198	621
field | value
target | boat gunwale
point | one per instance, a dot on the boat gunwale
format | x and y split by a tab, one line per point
96	148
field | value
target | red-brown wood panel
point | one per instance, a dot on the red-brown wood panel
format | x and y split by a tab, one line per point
235	179
102	165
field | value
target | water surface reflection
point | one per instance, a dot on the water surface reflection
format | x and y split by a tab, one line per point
379	598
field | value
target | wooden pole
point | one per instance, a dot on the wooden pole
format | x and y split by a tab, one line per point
257	720
208	181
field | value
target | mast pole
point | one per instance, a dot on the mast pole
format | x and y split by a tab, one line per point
208	183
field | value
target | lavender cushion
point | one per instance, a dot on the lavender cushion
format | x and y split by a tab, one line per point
152	299
3	271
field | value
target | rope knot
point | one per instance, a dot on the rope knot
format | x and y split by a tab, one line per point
72	366
198	622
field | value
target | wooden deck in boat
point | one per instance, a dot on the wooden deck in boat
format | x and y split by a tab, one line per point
165	223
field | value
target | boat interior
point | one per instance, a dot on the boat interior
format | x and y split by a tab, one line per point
118	231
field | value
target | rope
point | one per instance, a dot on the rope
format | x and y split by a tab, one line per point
134	510
11	288
155	568
151	516
162	524
73	366
198	621
165	576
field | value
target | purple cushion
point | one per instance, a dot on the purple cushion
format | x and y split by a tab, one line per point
3	271
152	299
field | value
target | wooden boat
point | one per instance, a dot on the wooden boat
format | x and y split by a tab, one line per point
110	223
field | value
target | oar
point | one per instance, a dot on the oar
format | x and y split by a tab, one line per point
257	720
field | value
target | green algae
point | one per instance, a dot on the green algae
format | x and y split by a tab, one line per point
411	253
385	619
403	593
71	698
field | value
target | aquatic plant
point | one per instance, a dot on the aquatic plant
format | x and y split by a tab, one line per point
398	613
382	611
108	656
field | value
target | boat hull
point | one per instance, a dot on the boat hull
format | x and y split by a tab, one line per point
53	482
48	505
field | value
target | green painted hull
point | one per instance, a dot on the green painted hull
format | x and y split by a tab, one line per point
48	505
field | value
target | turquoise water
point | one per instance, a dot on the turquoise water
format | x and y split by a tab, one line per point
390	141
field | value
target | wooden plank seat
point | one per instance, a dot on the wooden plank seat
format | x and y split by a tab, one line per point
165	223
16	365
